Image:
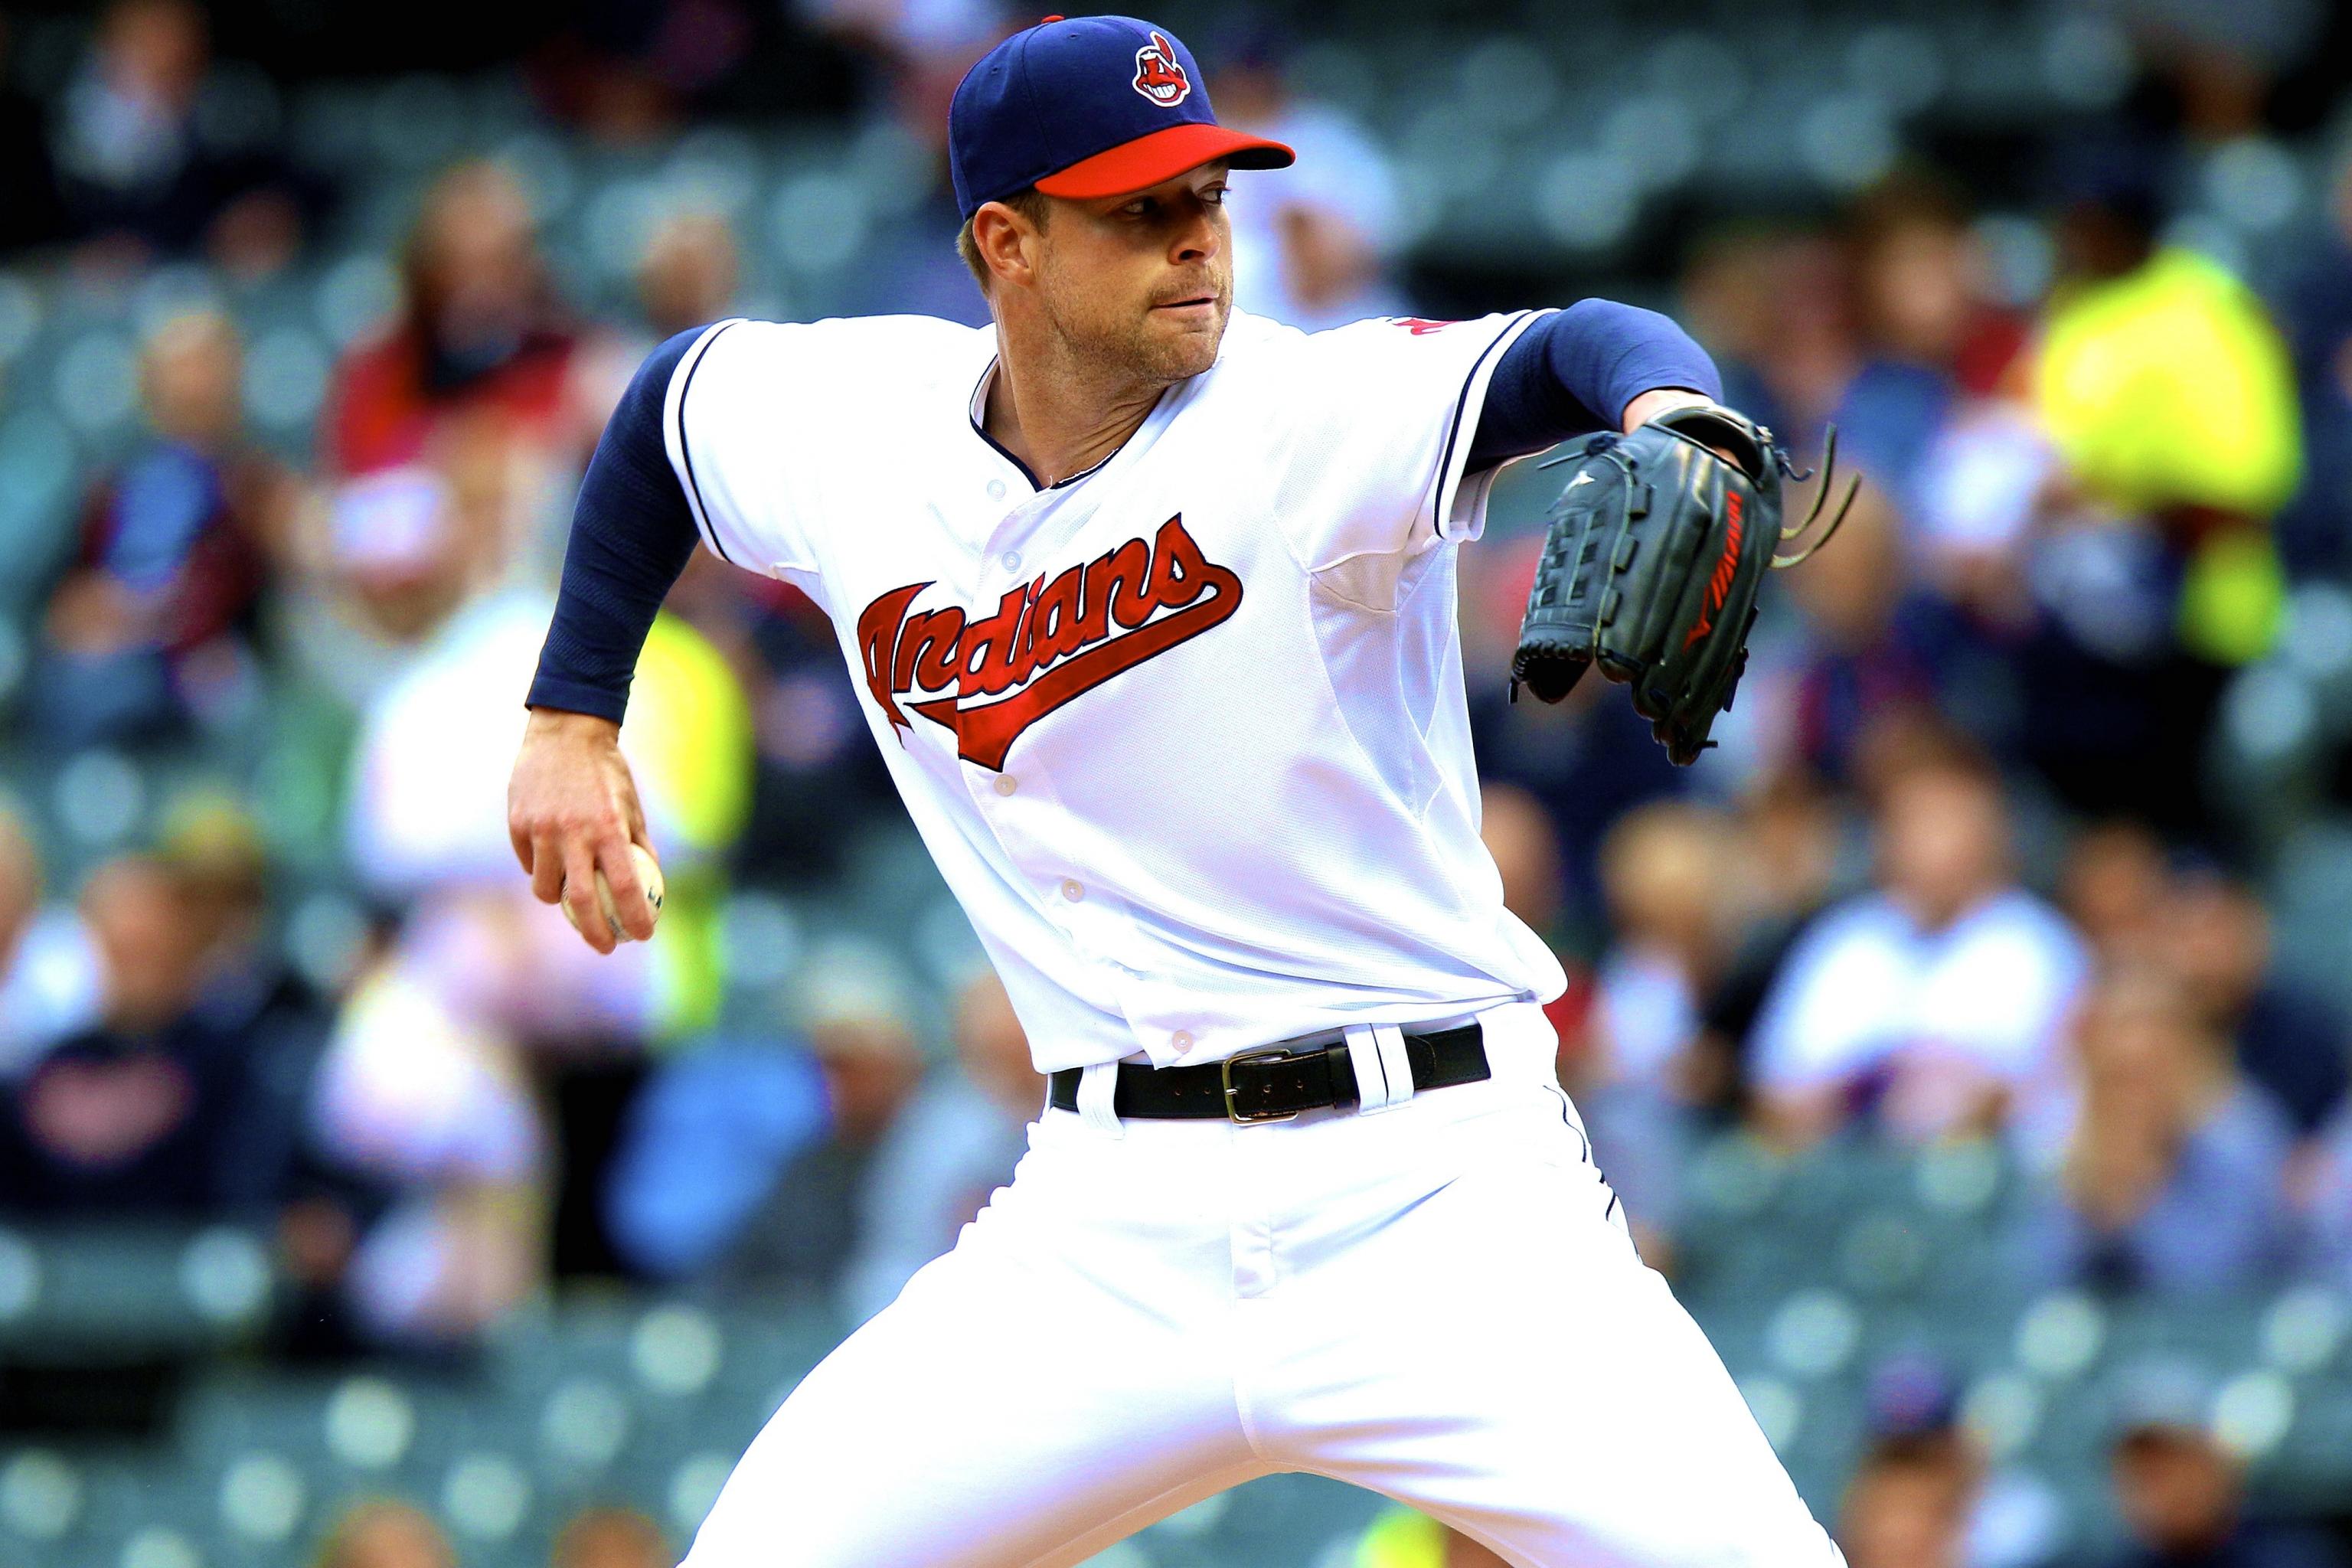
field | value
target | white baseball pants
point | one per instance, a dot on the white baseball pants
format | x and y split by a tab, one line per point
1438	1301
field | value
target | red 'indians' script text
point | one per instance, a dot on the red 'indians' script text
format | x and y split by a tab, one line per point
1046	643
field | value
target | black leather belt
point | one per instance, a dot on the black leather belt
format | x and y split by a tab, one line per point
1276	1083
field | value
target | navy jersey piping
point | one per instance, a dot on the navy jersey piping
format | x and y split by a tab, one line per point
694	489
1004	452
1461	403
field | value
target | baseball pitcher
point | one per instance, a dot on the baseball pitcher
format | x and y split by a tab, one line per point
1151	607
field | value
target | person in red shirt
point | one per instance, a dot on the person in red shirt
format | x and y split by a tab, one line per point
480	335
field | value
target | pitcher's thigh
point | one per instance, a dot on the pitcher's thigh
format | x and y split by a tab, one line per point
1554	1400
965	1427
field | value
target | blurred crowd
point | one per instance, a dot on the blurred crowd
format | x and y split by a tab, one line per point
1973	862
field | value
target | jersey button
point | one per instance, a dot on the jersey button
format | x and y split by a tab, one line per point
1181	1039
1006	784
1072	889
996	490
1012	561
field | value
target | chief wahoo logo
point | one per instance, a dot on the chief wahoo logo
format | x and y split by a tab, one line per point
1158	76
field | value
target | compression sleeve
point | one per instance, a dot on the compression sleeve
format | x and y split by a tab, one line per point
1575	371
631	535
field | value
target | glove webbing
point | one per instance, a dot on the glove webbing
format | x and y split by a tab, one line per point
1603	571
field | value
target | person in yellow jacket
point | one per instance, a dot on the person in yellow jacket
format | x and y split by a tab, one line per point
2169	395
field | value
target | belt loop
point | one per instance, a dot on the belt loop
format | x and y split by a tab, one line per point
1394	1058
1383	1075
1097	1090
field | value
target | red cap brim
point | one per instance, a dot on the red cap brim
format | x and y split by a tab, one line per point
1143	162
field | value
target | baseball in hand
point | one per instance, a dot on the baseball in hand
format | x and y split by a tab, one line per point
648	875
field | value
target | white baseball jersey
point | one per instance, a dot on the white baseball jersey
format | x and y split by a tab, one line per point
1185	732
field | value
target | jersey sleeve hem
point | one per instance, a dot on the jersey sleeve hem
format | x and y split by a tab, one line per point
1459	508
576	697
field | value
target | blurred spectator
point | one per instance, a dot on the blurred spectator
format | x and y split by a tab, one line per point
1728	300
2114	886
1662	868
1663	871
481	338
426	820
425	832
1790	847
395	554
689	276
2212	933
2163	1169
246	991
435	1106
1317	250
385	1534
1926	1456
1778	309
703	1144
2168	393
1907	1505
1878	649
1399	1537
52	983
924	50
1518	833
2322	1190
1983	497
146	169
903	269
2182	1495
820	782
1935	999
172	1103
2165	384
1932	341
691	273
2218	68
152	626
2290	1041
954	1145
420	558
610	1538
1924	288
855	1011
1520	838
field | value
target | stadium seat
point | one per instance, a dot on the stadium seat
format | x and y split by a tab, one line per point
43	1503
112	1293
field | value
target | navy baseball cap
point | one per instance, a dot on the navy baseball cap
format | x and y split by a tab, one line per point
1086	106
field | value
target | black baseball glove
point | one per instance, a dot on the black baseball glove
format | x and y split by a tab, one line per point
1656	550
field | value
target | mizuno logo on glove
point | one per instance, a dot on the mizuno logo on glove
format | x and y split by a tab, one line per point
1726	567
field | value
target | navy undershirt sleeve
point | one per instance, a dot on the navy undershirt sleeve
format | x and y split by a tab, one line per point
631	535
1575	370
